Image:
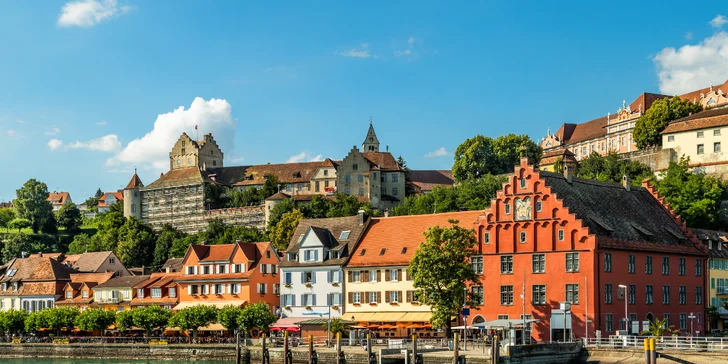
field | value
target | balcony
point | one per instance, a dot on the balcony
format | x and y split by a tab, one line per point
109	300
721	290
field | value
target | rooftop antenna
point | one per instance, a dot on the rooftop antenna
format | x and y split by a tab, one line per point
370	120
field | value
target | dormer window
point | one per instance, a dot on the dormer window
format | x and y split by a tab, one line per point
16	285
292	257
384	250
140	293
363	251
84	294
404	250
333	255
222	269
69	295
344	235
206	269
5	286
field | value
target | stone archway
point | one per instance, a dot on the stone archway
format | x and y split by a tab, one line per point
477	319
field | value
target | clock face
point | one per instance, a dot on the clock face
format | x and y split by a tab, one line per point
371	139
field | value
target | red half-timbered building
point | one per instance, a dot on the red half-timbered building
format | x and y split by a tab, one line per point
567	239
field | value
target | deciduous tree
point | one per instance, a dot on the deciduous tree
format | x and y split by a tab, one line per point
165	239
693	195
280	234
15	246
228	317
256	315
192	318
612	168
648	127
69	217
59	318
19	224
481	155
150	318
6	215
95	319
441	270
124	320
12	321
32	203
136	243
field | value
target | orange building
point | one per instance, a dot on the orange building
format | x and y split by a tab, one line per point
549	238
229	274
79	291
160	289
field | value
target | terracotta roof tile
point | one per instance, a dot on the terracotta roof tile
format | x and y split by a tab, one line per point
87	262
58	197
102	199
178	177
126	281
394	240
384	160
135	182
704	119
256	175
174	264
426	180
91	277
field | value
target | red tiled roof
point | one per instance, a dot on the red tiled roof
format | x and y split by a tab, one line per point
58	197
392	234
384	160
704	119
102	199
695	95
426	180
213	277
178	177
135	182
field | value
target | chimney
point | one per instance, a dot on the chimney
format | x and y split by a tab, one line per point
40	254
23	254
168	269
361	217
625	182
567	173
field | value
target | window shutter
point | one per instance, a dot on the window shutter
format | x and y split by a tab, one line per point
351	296
340	296
313	277
399	275
328	299
387	295
313	300
189	290
232	268
328	276
379	275
409	296
260	267
407	275
350	275
364	297
293	300
386	275
365	275
303	277
399	296
379	297
195	269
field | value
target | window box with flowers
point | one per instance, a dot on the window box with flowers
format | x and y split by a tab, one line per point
309	285
287	308
308	308
335	284
334	307
288	285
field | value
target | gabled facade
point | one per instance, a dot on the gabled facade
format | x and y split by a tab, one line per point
95	262
312	280
33	284
701	138
379	290
79	292
160	289
58	199
117	293
229	274
108	199
553	238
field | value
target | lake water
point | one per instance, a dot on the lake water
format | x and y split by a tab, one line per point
98	361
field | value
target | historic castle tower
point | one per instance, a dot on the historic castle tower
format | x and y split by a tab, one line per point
133	198
371	143
188	153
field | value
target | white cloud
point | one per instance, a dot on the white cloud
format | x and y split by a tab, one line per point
107	143
362	52
102	123
304	157
87	13
53	131
689	35
152	150
12	133
439	152
718	21
20	121
409	51
55	144
692	67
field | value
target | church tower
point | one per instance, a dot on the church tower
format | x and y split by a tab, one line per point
371	143
133	197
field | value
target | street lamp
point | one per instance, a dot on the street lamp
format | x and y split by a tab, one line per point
626	318
465	319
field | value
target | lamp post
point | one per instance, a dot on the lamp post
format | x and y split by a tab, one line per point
626	317
465	319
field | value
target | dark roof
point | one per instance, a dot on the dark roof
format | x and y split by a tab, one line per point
384	160
256	175
37	269
118	282
87	262
613	213
719	239
426	180
278	196
178	177
704	119
328	230
175	264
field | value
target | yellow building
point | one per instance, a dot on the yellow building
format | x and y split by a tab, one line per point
116	294
717	242
555	160
379	292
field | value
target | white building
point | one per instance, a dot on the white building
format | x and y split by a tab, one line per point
312	280
702	137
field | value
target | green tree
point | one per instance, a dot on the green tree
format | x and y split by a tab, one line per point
694	196
92	204
612	168
409	187
107	230
317	208
471	194
250	196
15	246
6	215
136	243
35	321
165	239
228	317
441	270
345	205
19	224
150	318
82	243
124	320
657	328
12	321
481	155
276	213
336	326
648	127
98	193
192	318
95	319
256	315
179	246
59	318
32	203
69	217
271	186
215	196
280	234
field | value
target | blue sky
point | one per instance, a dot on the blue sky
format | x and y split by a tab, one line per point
278	81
